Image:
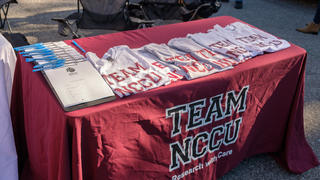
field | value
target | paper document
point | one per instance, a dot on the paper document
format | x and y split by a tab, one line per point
78	85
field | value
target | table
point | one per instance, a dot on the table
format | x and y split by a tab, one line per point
197	129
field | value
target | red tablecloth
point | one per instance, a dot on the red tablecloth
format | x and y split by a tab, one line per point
197	129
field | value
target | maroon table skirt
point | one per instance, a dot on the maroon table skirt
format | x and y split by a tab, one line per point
198	129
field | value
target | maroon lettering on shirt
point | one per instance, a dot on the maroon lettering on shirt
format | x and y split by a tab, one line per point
236	51
190	57
137	68
261	44
187	68
203	53
180	58
116	77
154	79
127	74
170	59
276	42
174	76
159	65
123	90
144	83
123	74
208	67
221	44
105	77
135	87
199	67
251	38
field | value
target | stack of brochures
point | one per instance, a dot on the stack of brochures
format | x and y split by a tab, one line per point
75	83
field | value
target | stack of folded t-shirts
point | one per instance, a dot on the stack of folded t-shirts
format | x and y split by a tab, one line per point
129	71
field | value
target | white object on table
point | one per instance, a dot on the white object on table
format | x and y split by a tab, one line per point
8	56
8	155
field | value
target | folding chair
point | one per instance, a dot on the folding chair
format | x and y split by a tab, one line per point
132	14
4	5
96	15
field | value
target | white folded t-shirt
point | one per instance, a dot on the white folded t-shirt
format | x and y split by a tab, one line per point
192	67
251	38
127	72
216	41
172	71
218	61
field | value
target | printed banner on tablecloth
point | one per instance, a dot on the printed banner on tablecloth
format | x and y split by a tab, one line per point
205	148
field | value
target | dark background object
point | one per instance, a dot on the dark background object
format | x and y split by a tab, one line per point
4	9
123	15
16	39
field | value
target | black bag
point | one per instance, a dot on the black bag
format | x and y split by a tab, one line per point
185	10
16	39
204	8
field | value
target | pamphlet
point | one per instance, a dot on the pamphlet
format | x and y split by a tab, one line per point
78	85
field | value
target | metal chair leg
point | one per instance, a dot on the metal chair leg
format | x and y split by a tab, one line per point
5	10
